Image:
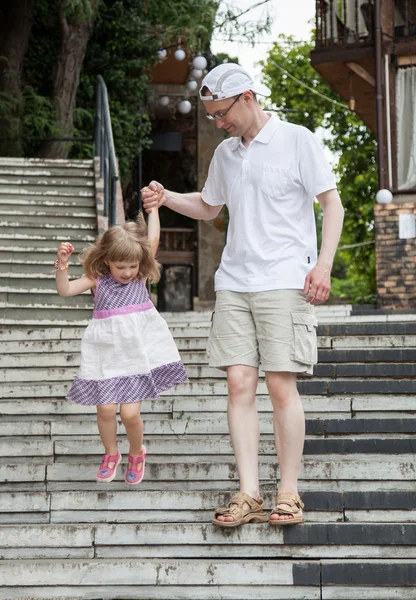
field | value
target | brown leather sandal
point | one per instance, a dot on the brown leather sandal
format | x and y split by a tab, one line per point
241	515
288	504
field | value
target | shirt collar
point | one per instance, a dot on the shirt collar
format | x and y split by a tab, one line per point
264	135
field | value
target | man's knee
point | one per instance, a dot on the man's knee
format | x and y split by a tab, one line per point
242	383
282	388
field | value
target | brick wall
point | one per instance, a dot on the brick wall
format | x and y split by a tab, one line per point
395	258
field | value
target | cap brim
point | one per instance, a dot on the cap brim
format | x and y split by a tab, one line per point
257	88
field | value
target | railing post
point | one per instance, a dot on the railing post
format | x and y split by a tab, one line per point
113	214
104	148
105	177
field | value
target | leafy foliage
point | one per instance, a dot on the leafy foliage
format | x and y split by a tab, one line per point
351	142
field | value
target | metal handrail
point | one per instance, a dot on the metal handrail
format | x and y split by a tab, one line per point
104	148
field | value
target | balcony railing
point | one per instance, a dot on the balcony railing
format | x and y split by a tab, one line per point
344	22
351	22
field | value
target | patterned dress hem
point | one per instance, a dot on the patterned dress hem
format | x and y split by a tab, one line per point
129	388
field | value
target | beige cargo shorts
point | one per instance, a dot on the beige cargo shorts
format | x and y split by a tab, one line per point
273	330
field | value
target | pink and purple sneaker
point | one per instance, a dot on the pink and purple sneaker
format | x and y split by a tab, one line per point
108	467
135	469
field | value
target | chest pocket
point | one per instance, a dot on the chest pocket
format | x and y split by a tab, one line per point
275	182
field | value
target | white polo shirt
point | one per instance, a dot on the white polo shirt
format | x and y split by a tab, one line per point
269	189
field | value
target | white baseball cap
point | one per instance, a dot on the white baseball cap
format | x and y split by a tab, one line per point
228	80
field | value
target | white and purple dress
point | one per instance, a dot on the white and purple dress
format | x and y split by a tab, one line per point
127	351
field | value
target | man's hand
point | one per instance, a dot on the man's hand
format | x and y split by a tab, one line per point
153	196
318	285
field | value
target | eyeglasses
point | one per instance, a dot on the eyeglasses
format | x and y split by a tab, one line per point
222	114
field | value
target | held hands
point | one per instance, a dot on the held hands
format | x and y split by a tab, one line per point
153	196
64	252
318	285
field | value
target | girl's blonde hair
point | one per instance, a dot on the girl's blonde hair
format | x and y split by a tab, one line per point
125	243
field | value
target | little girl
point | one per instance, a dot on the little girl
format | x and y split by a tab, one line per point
127	351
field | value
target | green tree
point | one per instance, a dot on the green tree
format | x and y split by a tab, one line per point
69	42
300	96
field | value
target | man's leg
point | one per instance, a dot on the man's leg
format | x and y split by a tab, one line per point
289	430
243	423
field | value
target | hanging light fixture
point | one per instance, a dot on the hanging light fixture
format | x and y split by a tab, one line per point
184	107
196	73
180	53
199	62
192	85
164	100
161	54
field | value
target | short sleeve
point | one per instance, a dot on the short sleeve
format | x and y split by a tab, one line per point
315	171
212	192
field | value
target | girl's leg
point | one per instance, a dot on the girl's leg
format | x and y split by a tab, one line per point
130	415
107	426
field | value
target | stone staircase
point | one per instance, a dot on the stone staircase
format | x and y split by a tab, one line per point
64	536
42	202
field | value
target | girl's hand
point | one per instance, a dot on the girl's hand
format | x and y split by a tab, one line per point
153	196
64	252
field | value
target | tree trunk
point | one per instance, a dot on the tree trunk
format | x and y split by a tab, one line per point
15	26
75	37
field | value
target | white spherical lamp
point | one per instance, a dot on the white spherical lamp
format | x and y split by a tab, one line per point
192	85
161	54
384	196
164	100
199	62
180	54
197	73
184	107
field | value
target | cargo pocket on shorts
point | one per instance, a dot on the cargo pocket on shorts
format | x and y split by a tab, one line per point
304	348
208	351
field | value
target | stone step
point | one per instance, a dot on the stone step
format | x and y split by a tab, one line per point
164	592
41	354
219	387
67	344
26	245
395	334
37	226
50	214
32	319
211	468
47	234
21	192
37	285
379	371
197	540
194	439
33	257
30	179
67	339
328	335
35	298
163	422
39	222
49	172
197	506
44	202
155	576
205	407
46	162
13	269
27	489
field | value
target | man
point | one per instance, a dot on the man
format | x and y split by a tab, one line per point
267	173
